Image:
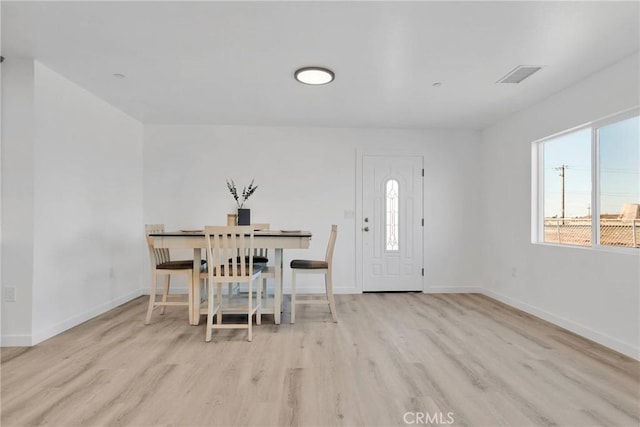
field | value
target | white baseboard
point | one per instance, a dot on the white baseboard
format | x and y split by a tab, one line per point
453	290
344	291
174	290
286	291
16	341
320	290
69	323
576	328
431	290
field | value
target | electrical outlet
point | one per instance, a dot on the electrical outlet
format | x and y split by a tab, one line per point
349	214
514	272
10	294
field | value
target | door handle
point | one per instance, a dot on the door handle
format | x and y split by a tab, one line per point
366	229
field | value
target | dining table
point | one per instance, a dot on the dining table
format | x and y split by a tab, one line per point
276	240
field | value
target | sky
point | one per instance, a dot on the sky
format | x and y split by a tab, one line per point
619	165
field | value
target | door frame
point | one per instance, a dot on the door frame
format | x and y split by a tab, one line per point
360	155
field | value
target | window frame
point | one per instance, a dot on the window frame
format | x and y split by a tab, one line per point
537	184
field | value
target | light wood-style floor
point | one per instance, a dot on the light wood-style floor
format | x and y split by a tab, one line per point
391	357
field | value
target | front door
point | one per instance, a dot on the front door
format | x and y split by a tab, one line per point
392	223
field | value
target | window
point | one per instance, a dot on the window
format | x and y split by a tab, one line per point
588	184
619	171
567	189
391	220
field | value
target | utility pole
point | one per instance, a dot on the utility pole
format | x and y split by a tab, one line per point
562	173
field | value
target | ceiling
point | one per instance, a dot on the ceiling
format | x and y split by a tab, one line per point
233	62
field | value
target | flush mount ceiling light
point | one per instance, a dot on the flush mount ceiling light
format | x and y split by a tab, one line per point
314	75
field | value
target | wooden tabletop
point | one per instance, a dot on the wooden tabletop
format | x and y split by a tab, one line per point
269	233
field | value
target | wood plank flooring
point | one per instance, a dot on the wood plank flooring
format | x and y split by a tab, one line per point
392	360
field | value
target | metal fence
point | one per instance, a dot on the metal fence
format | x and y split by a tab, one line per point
577	231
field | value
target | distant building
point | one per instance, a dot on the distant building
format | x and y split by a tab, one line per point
630	211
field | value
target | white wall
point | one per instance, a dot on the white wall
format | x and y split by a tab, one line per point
593	293
307	180
18	124
80	209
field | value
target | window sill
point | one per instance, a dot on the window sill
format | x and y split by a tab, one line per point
596	248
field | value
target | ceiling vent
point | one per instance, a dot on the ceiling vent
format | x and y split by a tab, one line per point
520	73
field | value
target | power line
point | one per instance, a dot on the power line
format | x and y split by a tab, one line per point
562	173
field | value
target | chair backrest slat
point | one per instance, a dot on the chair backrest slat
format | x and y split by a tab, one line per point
332	244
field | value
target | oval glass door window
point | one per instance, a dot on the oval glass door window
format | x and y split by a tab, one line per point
391	220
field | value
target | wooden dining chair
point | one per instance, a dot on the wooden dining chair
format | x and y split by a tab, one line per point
163	266
223	245
260	259
300	266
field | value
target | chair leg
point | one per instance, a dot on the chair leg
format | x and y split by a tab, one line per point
259	303
210	314
219	318
250	312
293	295
265	295
165	294
192	303
265	289
152	299
329	288
204	290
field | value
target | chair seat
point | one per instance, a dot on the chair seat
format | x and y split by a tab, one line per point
257	259
181	265
306	264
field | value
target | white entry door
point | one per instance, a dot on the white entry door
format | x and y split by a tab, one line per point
392	223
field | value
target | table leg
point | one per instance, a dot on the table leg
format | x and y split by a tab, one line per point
196	285
277	297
